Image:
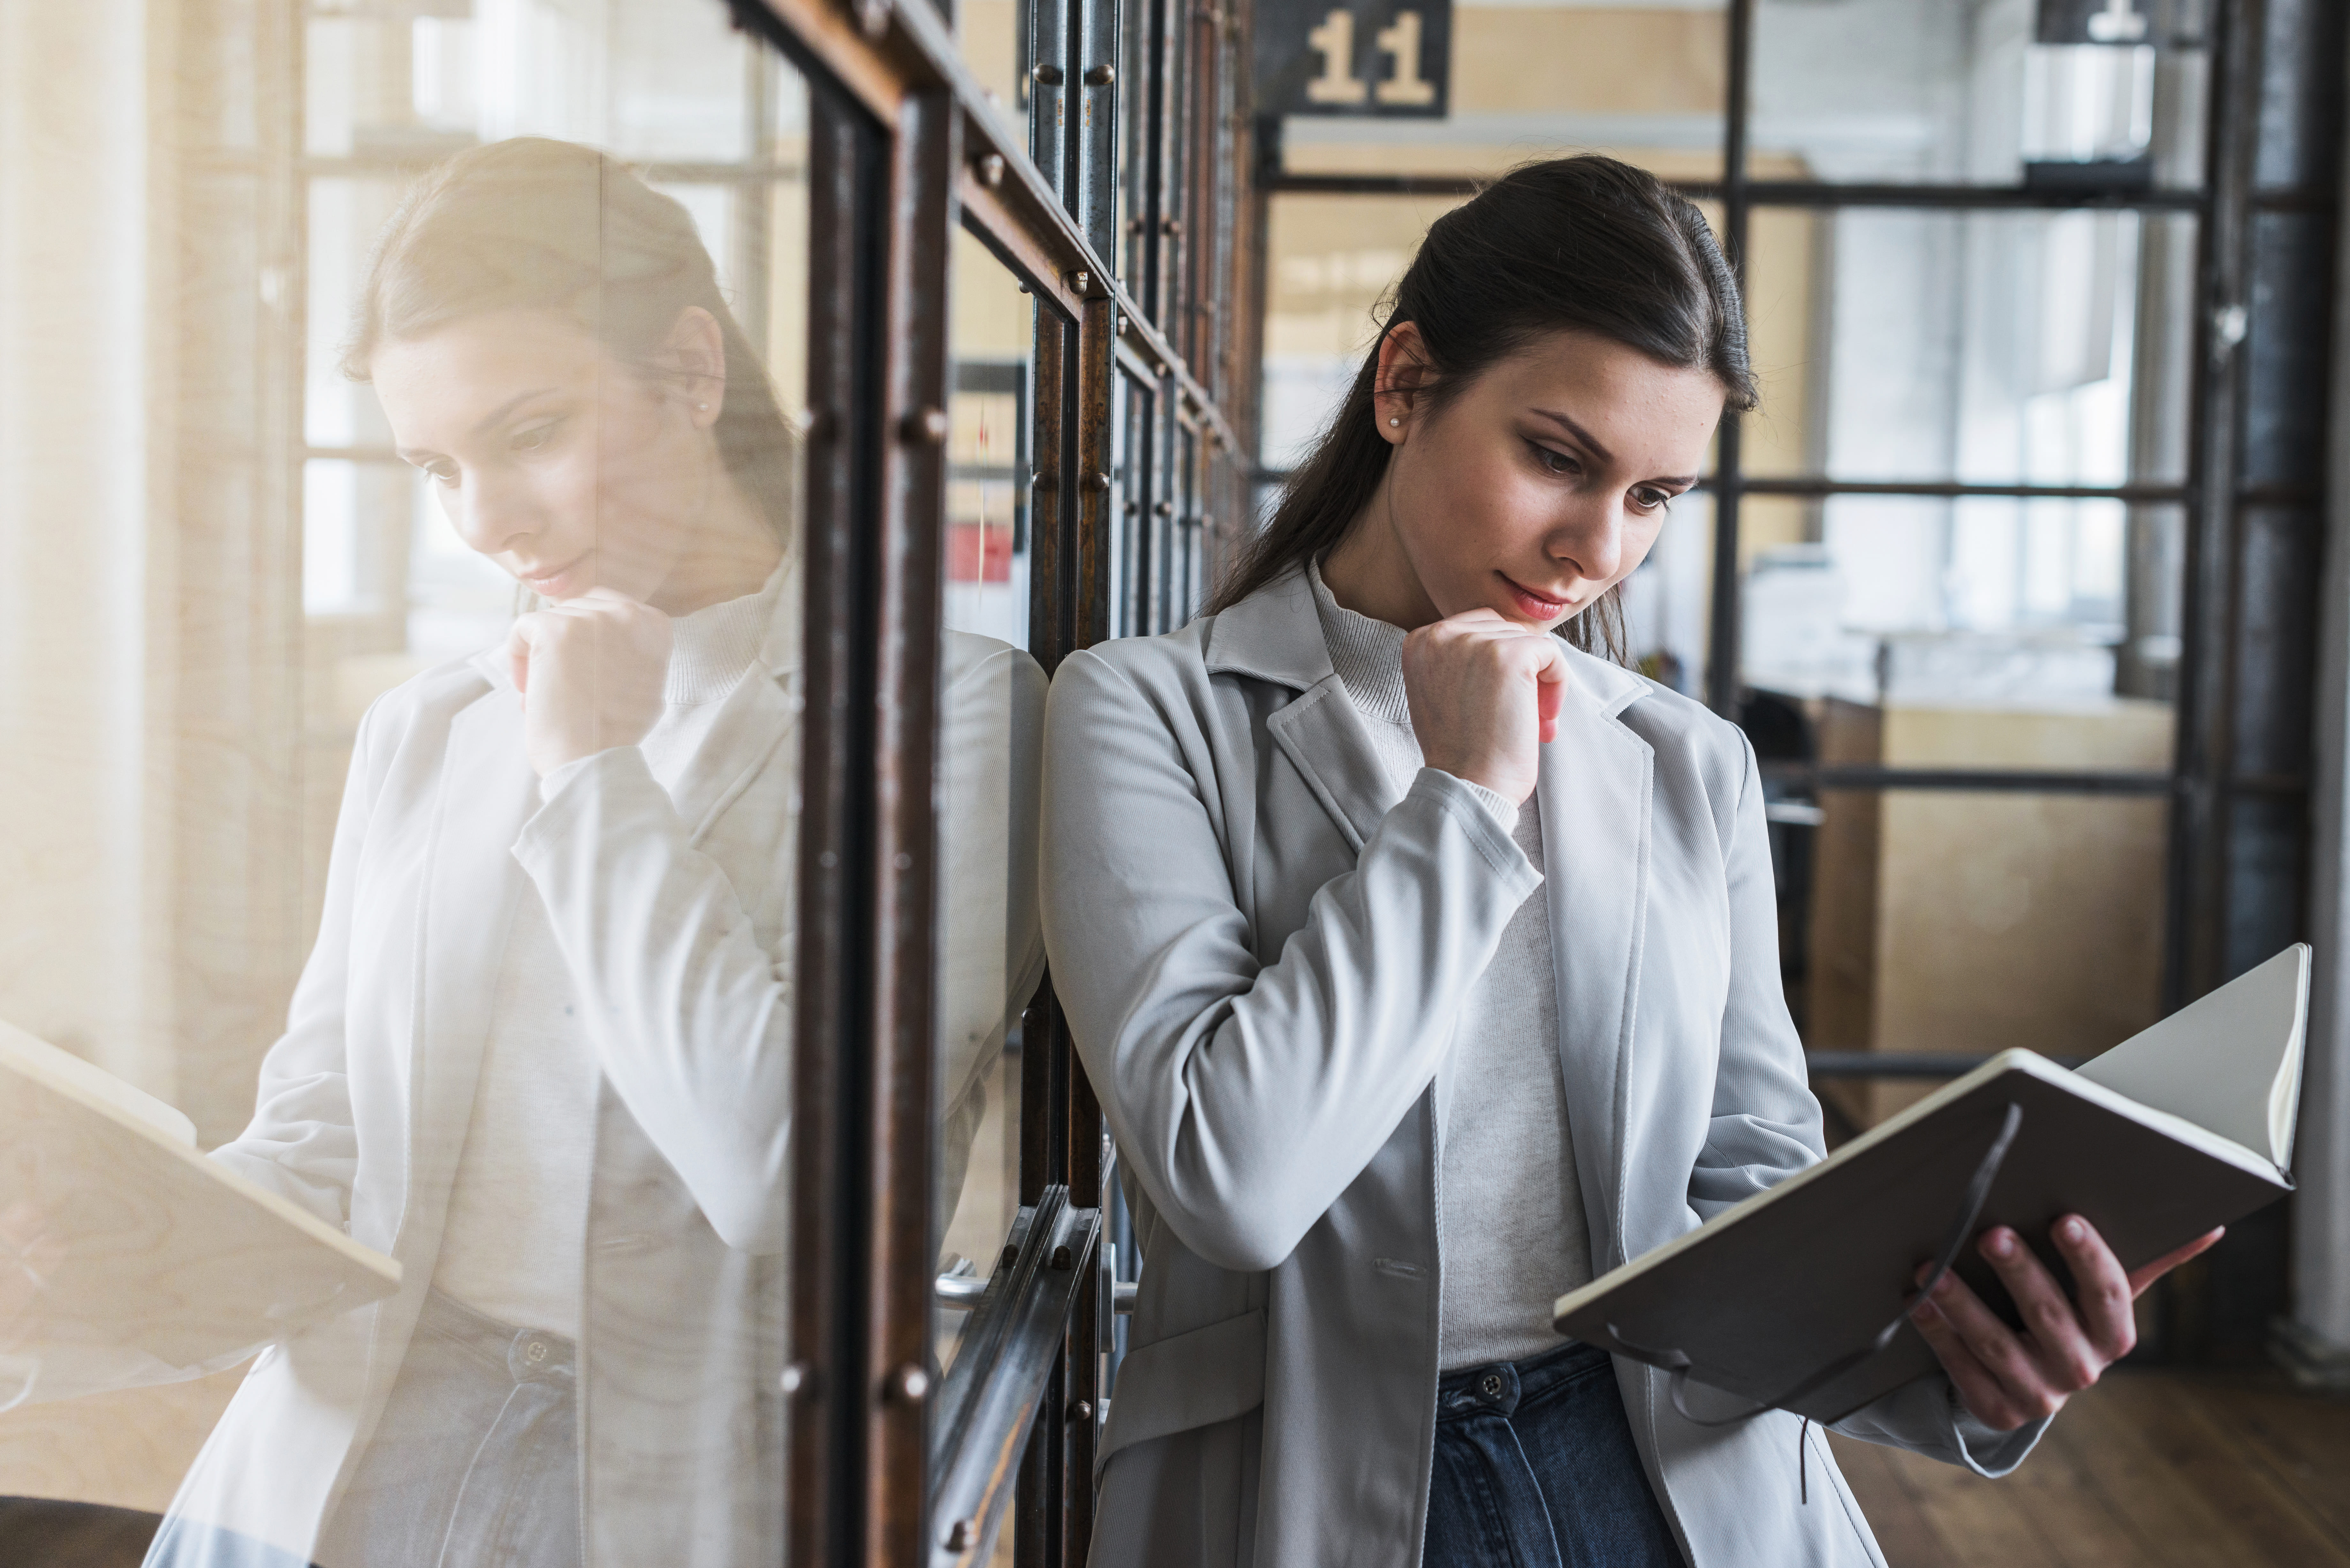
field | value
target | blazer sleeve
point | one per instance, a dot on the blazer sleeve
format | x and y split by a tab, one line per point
694	1012
303	1141
1248	1095
1766	1127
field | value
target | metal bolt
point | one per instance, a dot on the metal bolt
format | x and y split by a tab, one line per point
1080	1410
1101	76
925	426
1060	1257
991	170
909	1385
1047	73
963	1535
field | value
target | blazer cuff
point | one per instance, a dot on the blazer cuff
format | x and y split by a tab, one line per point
1470	806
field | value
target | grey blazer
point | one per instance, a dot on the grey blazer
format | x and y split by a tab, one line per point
1262	963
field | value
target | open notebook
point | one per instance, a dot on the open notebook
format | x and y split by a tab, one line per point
126	1255
1780	1300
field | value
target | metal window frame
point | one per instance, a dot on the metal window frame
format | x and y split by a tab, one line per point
905	147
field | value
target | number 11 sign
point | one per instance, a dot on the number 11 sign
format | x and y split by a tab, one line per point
1369	57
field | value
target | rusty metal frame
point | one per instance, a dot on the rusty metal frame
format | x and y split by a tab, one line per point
905	147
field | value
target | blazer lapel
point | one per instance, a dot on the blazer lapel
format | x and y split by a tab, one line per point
1595	799
1275	635
1325	741
472	888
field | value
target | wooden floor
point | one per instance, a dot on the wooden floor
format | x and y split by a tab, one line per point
2167	1470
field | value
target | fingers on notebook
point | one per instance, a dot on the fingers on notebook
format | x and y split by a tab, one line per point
2101	1291
2141	1278
2069	1345
1983	1391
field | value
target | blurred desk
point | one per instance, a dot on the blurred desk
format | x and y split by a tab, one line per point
1946	920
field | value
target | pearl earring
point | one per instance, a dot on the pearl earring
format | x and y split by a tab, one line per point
1393	421
702	407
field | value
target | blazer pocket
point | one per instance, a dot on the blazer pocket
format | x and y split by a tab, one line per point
1186	1381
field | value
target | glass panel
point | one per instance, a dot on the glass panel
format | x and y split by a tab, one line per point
995	46
1978	347
1640	81
1921	92
2032	605
646	79
991	712
473	993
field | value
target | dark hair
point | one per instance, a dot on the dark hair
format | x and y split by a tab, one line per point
535	224
1583	243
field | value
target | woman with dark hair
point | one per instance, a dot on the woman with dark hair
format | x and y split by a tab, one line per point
541	1053
1425	963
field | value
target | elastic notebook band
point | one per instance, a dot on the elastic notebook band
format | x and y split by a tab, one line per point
1970	1210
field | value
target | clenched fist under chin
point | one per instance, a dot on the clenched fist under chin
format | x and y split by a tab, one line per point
591	672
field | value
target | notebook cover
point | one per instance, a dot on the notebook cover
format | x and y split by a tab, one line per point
1759	1305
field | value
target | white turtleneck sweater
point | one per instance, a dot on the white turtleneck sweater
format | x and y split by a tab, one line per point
1510	1226
515	1246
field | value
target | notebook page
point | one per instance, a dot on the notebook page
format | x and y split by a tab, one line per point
2231	1062
63	1071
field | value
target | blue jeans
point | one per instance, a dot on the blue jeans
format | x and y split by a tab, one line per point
1535	1468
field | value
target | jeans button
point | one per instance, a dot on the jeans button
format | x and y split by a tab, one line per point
1491	1385
535	1353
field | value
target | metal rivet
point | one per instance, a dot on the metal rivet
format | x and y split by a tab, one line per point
1138	225
1060	1257
1101	76
1048	74
1080	281
904	862
928	426
827	860
991	171
1133	508
1171	226
1080	1410
1165	509
794	1378
961	1535
1045	481
815	424
907	1386
1098	480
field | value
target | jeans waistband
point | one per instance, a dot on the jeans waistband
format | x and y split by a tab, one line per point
524	1354
1497	1387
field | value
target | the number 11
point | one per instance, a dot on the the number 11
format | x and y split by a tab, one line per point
1334	40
